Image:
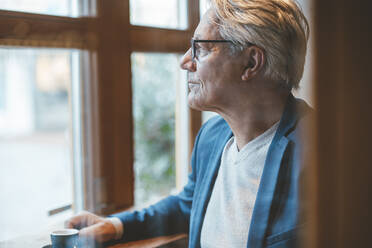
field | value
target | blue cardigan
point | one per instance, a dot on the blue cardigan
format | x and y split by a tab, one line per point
276	218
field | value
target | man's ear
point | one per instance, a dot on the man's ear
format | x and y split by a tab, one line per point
254	63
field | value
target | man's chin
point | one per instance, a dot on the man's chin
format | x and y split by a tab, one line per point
194	104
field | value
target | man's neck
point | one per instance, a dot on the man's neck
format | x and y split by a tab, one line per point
251	117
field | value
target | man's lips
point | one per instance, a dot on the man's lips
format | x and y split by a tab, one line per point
193	85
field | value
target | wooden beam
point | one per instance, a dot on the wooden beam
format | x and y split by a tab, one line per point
115	113
147	39
35	30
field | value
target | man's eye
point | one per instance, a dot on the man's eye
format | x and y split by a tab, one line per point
200	51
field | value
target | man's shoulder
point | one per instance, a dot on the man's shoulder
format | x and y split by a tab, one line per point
213	134
305	116
303	108
215	121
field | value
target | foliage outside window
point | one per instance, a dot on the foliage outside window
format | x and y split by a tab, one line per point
154	95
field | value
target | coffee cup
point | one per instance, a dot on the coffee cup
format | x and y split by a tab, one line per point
65	238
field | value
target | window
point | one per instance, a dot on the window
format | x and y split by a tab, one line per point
160	146
155	77
72	121
35	138
160	13
50	7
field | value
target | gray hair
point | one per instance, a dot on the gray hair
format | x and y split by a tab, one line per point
277	26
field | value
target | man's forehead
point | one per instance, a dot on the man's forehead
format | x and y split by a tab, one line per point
207	28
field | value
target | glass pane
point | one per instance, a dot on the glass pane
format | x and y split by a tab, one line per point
35	138
49	7
154	101
160	13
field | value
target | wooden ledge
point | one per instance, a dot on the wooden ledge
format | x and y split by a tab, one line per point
178	240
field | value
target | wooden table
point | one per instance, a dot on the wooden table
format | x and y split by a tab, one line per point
43	238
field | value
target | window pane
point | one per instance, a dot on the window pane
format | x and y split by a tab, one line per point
154	96
35	138
50	7
160	13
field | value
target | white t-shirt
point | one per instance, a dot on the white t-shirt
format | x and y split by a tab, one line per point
229	211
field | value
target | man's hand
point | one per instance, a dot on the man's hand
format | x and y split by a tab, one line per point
92	227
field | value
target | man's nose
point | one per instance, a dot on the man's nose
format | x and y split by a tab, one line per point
187	62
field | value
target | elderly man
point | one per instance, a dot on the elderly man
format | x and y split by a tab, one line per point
245	58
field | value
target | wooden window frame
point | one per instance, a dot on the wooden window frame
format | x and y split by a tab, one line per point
106	41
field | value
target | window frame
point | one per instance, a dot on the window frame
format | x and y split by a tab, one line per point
107	121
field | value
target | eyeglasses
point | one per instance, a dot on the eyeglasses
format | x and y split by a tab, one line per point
193	47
